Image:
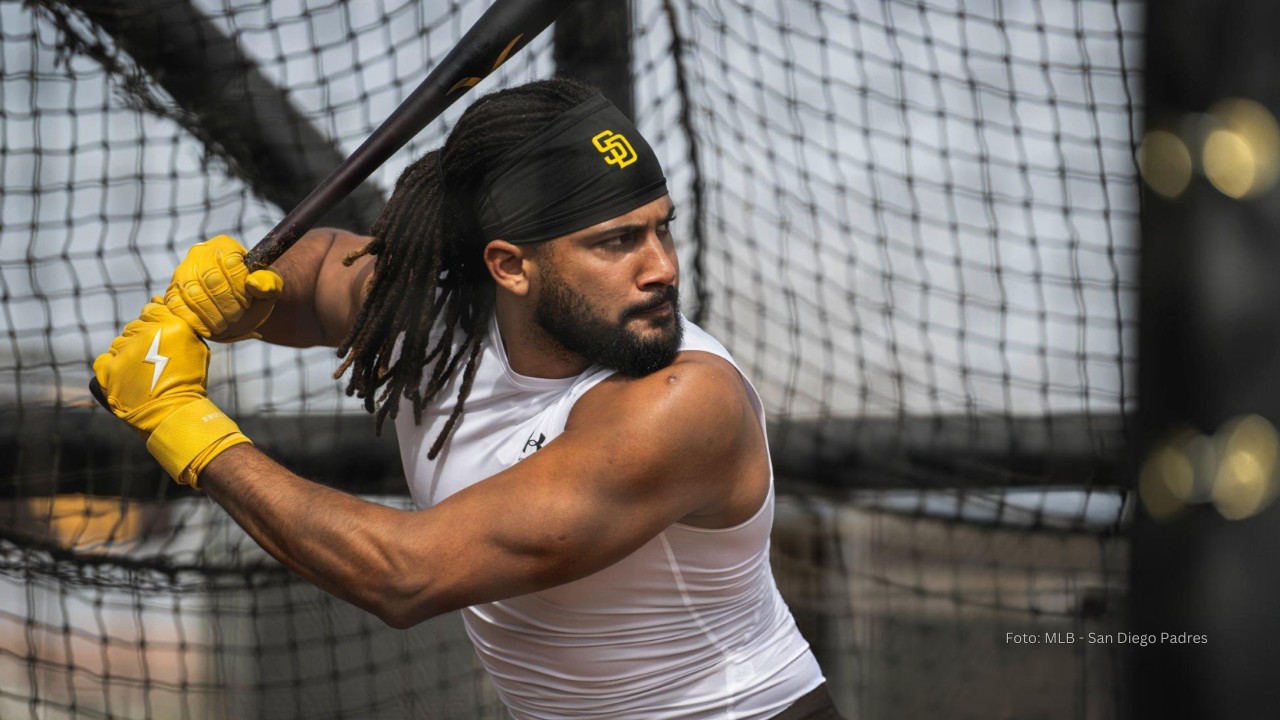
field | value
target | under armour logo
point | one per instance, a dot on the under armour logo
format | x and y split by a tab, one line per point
615	148
535	444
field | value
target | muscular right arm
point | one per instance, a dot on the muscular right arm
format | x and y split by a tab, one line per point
321	296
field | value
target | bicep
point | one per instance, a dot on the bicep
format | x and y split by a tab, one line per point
626	468
321	296
555	517
340	289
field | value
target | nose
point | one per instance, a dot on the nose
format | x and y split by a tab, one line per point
659	265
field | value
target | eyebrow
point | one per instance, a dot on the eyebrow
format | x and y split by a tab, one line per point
630	227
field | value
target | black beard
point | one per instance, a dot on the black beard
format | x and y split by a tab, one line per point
568	319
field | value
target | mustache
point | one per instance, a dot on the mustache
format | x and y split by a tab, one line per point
668	295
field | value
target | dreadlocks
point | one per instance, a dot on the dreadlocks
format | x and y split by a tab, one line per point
428	265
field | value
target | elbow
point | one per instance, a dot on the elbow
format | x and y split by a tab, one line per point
400	615
402	605
391	575
399	618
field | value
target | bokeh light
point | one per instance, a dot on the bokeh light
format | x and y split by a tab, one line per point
1241	154
1245	481
1165	163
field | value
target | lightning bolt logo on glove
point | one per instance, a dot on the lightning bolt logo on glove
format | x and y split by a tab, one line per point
155	358
166	403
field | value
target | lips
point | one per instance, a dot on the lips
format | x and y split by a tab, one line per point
661	309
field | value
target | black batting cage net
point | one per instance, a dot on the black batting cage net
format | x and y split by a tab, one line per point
912	223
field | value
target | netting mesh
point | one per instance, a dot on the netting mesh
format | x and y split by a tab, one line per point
913	223
925	210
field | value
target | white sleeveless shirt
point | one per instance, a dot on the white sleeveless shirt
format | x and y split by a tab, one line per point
690	625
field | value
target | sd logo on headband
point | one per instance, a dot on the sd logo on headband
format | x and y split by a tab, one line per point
615	148
517	203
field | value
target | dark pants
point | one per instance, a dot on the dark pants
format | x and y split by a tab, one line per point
813	705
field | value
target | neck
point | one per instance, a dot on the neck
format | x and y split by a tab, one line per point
530	351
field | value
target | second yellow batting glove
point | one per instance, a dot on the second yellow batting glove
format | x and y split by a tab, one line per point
216	294
155	377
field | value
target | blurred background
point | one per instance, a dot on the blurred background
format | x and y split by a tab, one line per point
914	223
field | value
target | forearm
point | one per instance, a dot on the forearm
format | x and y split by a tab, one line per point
336	541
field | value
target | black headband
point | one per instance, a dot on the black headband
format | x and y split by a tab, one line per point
585	167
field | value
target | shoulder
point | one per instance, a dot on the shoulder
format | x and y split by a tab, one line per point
695	382
697	407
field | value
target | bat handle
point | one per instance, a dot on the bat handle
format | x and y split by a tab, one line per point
95	389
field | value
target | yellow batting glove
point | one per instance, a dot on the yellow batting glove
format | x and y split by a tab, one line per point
216	294
154	377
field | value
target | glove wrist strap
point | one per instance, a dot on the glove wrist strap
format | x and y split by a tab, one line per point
190	437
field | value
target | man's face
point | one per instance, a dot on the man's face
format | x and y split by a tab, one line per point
609	293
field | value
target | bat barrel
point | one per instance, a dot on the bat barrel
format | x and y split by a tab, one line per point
504	29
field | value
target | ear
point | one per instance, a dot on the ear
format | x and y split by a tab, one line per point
508	264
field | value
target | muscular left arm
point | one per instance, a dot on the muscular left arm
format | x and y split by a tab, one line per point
635	457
